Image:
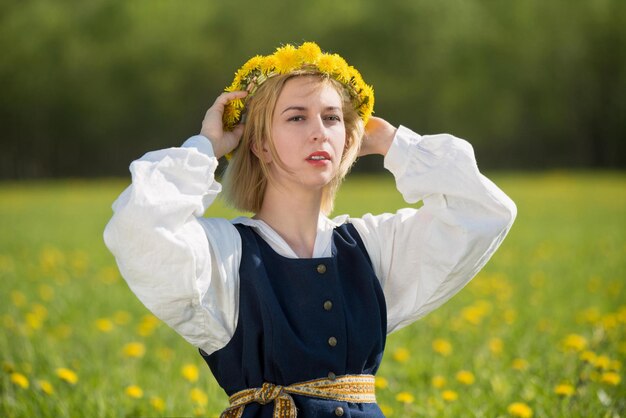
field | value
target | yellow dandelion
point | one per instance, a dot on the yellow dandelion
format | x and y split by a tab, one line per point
20	380
45	387
134	349
386	410
381	382
405	397
465	377
438	381
495	346
287	59
611	378
67	375
615	365
449	395
441	346
252	64
157	403
33	321
326	63
602	362
520	409
190	372
588	356
401	355
574	342
309	52
519	364
147	325
199	397
104	325
564	389
134	391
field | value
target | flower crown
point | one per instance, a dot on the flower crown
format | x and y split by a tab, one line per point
287	59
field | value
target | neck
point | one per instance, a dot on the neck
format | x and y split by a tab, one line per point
294	215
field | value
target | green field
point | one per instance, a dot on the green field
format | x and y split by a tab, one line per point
541	331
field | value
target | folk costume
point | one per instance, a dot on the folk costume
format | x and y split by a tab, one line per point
285	335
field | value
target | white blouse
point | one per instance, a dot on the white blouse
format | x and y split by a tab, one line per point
185	267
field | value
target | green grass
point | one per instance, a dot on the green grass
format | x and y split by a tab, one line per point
561	272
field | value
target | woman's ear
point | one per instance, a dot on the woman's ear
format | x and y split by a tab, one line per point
261	151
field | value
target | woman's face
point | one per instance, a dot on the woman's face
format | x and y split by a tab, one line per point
308	132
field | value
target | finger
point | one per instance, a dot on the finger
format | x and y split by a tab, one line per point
227	96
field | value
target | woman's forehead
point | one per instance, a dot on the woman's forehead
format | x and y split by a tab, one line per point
306	89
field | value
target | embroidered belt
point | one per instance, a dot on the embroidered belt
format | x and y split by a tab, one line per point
357	388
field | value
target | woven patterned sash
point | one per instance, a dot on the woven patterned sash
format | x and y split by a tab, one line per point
348	388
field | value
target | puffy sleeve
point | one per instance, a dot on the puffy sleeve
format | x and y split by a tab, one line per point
183	267
424	256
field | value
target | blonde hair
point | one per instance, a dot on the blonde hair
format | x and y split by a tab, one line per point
247	176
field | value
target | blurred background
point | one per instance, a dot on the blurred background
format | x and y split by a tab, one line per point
86	87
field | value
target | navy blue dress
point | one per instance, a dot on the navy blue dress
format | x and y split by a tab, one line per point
304	319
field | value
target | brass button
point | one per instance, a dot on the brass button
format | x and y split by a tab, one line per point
339	411
328	305
321	268
332	375
332	341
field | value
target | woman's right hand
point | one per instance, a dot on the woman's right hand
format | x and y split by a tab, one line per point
212	126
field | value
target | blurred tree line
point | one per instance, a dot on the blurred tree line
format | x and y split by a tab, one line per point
87	86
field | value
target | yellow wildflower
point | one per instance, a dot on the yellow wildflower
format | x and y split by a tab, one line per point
495	346
157	403
438	381
465	377
441	346
199	397
386	410
309	52
190	372
147	325
610	378
564	389
449	395
134	349
67	375
381	382
287	59
20	380
520	409
401	355
519	364
405	397
104	325
615	365
588	356
134	392
45	386
602	362
574	342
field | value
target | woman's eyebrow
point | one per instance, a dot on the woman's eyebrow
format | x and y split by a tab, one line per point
302	108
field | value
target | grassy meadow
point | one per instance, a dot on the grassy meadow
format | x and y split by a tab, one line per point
540	332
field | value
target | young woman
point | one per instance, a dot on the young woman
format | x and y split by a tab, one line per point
290	308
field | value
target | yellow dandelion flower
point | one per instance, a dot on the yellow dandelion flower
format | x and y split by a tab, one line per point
199	397
190	372
147	325
611	378
157	403
381	382
386	410
615	365
520	364
520	409
401	355
588	356
574	342
134	391
287	59
405	397
441	346
45	387
438	381
252	64
326	63
33	321
309	52
134	349
495	346
602	362
564	389
20	380
104	325
67	375
449	395
465	377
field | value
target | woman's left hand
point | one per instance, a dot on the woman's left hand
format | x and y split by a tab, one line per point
378	137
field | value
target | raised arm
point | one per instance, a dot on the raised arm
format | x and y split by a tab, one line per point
424	256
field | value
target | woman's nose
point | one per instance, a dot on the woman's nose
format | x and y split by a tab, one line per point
318	130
